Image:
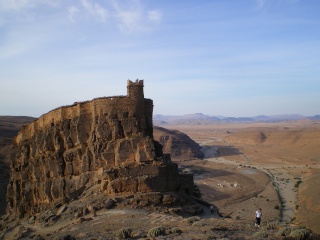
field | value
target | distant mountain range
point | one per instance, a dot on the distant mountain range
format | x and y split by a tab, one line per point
199	118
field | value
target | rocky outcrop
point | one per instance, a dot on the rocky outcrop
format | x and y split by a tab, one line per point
106	141
9	127
179	145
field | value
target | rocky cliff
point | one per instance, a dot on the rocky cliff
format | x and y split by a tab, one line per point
179	145
9	127
106	141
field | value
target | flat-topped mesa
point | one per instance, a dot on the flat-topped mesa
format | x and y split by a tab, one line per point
106	141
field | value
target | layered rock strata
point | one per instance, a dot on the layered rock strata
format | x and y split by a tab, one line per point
106	141
177	144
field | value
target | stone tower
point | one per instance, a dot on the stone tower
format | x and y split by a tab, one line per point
140	106
135	89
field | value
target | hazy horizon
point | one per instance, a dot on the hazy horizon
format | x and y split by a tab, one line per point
208	115
229	58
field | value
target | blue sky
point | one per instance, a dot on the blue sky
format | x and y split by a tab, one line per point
217	57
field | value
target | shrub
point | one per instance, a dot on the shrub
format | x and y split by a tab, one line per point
297	184
283	232
198	224
156	231
262	234
314	236
271	225
124	233
176	230
193	219
299	234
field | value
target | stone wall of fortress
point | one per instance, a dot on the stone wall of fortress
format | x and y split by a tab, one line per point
106	141
112	107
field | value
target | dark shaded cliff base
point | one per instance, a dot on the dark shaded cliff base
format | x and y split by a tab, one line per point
179	145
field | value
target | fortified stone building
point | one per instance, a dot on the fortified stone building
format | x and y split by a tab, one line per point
107	141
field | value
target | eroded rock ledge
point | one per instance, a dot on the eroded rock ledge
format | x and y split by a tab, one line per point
106	141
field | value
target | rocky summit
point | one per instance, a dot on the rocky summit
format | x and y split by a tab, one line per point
106	143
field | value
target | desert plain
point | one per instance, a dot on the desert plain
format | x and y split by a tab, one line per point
273	166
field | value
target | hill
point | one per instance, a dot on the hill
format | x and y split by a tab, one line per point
202	119
178	144
9	127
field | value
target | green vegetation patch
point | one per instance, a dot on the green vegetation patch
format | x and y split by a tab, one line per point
124	233
261	234
193	219
272	225
300	234
156	231
284	232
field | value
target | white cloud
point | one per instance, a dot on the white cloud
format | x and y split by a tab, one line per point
13	5
131	16
155	16
72	11
16	5
129	21
128	16
95	9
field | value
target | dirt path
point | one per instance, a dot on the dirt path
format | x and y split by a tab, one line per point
284	183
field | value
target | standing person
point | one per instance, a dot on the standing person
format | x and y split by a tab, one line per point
258	217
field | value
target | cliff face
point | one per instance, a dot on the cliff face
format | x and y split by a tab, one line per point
179	145
106	141
9	127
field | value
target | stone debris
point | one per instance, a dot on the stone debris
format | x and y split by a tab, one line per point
225	184
109	204
61	210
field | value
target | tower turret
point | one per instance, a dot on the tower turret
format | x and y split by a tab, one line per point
135	89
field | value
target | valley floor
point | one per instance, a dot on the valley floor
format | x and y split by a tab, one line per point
288	153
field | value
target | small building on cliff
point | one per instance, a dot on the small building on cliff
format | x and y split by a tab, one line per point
107	141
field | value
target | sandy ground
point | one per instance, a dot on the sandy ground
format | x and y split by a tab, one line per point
237	192
279	177
289	153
